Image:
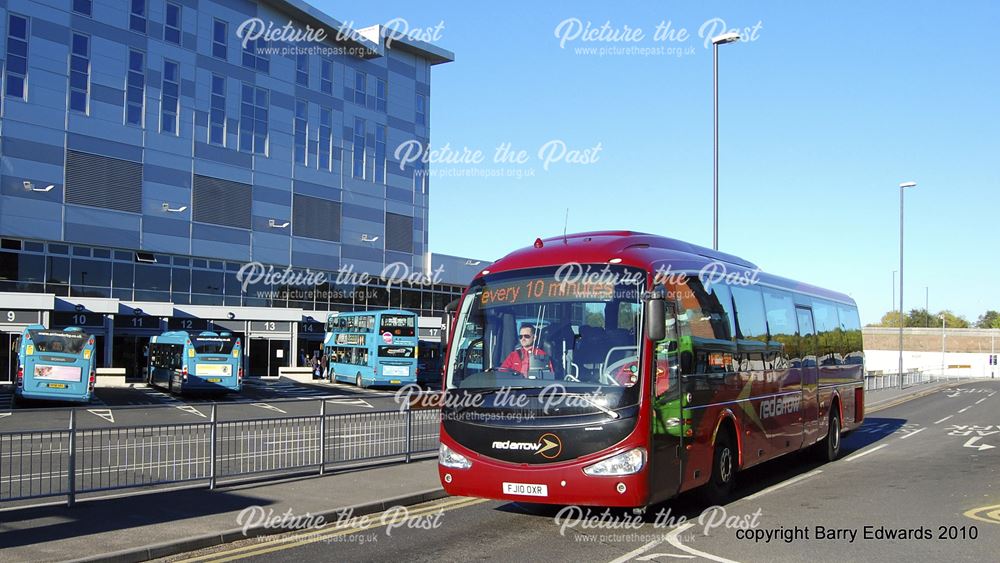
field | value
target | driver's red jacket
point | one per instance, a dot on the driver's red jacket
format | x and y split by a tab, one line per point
520	360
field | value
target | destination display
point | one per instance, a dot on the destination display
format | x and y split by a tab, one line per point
351	339
547	290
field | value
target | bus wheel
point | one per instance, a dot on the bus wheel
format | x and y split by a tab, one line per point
829	448
359	382
720	485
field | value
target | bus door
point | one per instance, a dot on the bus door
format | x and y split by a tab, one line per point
666	448
809	372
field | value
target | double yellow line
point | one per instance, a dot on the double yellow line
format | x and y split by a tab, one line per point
306	537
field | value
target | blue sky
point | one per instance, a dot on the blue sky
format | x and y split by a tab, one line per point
822	116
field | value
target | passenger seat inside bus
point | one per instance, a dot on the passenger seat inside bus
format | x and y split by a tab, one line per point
590	351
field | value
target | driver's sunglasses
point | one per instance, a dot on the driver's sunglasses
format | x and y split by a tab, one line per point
523	336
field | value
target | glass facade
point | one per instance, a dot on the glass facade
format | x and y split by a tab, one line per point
104	272
154	165
16	69
79	73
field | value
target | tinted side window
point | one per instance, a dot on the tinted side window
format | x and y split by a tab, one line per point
828	341
751	322
705	327
781	324
751	328
852	343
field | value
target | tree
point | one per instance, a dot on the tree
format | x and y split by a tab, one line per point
921	318
989	319
951	320
889	319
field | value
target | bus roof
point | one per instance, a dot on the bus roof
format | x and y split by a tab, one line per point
641	250
337	314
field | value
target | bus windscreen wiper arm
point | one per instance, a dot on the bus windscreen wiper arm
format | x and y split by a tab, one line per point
594	404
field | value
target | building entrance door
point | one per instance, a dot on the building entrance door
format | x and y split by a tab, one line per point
9	342
267	355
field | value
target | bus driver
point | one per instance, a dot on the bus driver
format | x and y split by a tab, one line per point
521	359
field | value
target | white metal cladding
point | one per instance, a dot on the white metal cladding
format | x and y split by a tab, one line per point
221	202
102	181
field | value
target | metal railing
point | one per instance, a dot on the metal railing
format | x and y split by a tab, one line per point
74	461
878	381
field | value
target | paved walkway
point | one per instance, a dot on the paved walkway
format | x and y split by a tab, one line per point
141	527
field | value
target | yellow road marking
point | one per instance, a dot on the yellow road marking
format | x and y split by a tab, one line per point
992	516
318	535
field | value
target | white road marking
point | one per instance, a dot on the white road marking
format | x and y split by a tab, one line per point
628	556
972	441
653	556
190	409
267	406
980	400
673	540
5	414
103	413
866	452
912	433
358	402
944	419
784	484
965	409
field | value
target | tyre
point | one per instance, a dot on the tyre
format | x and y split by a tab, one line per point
828	449
359	382
724	461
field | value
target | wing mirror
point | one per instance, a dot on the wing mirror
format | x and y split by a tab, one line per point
655	316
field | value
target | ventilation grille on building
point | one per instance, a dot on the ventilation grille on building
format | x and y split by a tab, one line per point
398	232
313	217
221	202
102	181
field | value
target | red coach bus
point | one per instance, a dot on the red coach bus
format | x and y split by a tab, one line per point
620	369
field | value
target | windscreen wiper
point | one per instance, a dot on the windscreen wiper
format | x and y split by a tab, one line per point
593	403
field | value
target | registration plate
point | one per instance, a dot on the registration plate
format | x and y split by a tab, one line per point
214	379
57	385
394	382
525	489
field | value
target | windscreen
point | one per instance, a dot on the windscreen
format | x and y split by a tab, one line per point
213	344
58	342
398	325
533	330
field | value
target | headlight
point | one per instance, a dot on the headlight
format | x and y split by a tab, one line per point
448	458
622	464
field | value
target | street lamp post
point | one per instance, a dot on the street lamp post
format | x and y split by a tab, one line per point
902	186
894	272
716	41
